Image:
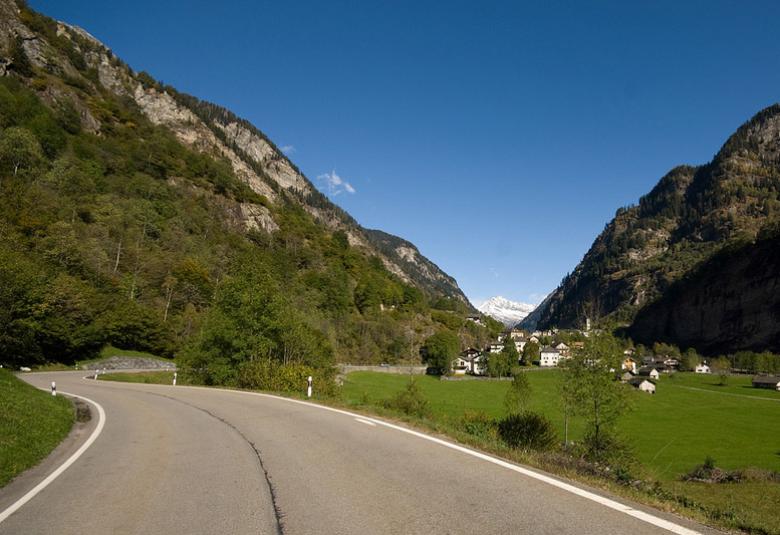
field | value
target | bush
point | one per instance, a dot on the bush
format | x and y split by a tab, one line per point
527	430
276	377
479	424
410	401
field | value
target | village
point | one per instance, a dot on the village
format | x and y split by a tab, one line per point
551	348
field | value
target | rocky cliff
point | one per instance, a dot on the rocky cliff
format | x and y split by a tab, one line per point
730	303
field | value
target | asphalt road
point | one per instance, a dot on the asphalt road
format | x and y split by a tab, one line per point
193	460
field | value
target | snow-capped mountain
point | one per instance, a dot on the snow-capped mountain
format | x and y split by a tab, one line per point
507	312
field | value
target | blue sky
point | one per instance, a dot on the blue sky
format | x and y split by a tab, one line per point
499	137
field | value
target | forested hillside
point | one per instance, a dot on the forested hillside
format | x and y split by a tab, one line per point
691	214
135	215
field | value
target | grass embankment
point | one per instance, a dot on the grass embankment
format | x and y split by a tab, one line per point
156	377
691	417
32	424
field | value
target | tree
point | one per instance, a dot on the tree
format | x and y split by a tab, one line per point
19	150
441	349
19	60
593	392
518	395
531	353
722	367
690	359
500	364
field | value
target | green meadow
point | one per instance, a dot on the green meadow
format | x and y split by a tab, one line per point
689	418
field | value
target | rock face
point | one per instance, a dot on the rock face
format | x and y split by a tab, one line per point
510	313
730	303
212	129
691	214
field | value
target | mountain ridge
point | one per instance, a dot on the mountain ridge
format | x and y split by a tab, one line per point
691	214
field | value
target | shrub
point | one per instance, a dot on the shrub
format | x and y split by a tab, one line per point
276	377
527	430
410	401
479	424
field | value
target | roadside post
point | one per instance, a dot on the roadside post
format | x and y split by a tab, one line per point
174	378
308	389
53	388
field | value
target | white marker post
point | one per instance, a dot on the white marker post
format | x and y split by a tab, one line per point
53	388
96	374
308	389
174	378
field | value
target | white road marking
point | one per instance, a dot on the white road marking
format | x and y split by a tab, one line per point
64	466
606	502
362	421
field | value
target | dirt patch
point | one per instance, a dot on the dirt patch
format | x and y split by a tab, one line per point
83	412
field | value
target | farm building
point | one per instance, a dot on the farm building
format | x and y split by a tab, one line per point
702	368
771	382
648	371
645	385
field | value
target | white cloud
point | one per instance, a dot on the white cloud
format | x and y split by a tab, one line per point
287	149
335	184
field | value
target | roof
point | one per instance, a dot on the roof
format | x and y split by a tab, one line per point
636	381
550	350
766	379
645	370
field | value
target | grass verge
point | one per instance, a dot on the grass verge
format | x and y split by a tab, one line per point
33	423
155	377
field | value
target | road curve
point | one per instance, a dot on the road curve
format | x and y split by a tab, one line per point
194	460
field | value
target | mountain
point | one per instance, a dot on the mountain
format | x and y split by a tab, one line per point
137	215
510	313
689	216
729	303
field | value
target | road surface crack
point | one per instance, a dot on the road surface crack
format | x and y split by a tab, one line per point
278	514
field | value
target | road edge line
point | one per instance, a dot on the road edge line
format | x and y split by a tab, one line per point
11	509
602	500
572	489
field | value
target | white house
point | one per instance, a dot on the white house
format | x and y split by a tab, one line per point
478	365
549	357
645	385
474	361
647	371
496	348
702	368
534	339
475	319
461	365
519	345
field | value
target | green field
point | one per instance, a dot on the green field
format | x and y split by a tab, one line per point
32	424
689	417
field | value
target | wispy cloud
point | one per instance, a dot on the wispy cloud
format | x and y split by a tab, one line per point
335	184
287	149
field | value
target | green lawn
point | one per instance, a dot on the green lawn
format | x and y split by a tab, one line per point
670	432
33	422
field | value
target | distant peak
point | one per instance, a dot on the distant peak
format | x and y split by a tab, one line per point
505	310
